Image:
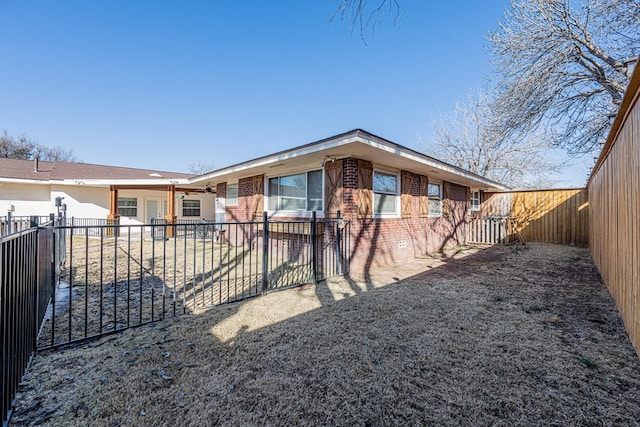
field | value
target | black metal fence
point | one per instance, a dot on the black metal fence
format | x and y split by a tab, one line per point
92	225
61	284
13	224
26	284
201	226
130	275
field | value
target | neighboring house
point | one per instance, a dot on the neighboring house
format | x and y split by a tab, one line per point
30	187
401	203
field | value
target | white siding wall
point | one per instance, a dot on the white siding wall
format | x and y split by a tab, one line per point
91	202
27	199
207	209
82	201
207	206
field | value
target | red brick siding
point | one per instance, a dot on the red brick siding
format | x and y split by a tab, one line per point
375	241
242	212
350	186
221	190
381	241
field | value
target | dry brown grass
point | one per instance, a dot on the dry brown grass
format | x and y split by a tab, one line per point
501	336
126	282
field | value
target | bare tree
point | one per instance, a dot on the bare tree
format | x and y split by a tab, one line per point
201	168
472	138
362	15
16	148
55	154
565	65
26	149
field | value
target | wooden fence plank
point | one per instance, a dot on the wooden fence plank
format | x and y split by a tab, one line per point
551	216
614	193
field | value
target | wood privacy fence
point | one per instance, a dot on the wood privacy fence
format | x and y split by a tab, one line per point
614	191
550	216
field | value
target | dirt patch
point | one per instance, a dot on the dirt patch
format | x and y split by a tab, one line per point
501	336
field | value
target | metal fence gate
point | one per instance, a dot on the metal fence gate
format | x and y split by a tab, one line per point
119	276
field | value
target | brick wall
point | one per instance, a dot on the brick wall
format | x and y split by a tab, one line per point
350	185
382	241
240	213
221	190
378	241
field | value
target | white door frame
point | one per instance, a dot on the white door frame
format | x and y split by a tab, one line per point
160	208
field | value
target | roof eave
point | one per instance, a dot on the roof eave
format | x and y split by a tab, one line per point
109	182
347	138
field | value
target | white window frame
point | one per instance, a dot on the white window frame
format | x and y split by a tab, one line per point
192	207
432	198
232	187
128	207
396	194
290	212
475	202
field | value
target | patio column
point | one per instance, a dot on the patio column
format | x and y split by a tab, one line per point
113	218
171	217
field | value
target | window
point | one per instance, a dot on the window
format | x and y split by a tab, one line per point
435	199
476	200
232	194
385	193
128	206
190	207
302	191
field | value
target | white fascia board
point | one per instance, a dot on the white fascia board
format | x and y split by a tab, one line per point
97	182
276	158
24	181
105	182
326	145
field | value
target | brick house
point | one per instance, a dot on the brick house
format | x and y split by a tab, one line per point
401	203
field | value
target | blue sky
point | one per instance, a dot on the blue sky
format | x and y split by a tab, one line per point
166	84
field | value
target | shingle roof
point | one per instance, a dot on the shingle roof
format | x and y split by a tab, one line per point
57	171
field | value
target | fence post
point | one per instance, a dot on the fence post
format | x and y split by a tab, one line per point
55	266
314	248
338	245
507	230
8	222
265	252
35	291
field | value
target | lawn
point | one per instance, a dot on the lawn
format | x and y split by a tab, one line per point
109	284
479	336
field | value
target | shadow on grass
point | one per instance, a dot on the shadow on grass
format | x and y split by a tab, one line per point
495	337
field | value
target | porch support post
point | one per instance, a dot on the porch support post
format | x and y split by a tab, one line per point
170	217
113	219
